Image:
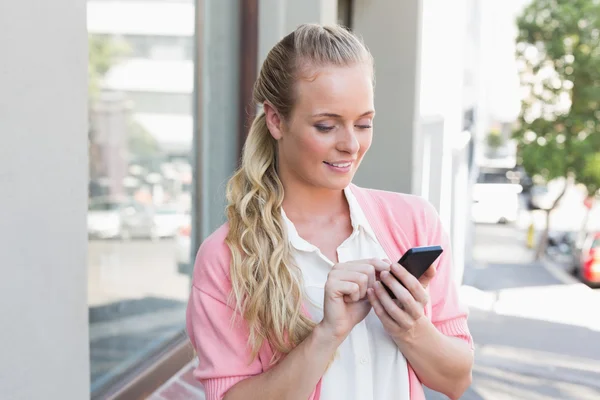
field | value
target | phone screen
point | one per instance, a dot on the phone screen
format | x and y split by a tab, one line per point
416	261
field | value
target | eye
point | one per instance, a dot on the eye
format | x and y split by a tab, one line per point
364	124
324	128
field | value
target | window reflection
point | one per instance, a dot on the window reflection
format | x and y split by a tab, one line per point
140	147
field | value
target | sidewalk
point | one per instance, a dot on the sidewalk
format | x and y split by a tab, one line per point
535	330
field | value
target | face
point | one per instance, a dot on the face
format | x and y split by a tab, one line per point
329	130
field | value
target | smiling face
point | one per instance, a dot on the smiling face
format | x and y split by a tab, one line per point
329	130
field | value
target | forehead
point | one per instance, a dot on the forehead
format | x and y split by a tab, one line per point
346	90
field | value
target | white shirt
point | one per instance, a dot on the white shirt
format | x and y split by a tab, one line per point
369	365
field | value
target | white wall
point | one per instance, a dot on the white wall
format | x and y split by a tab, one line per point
392	32
43	202
280	17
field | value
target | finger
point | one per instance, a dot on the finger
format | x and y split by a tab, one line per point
379	310
428	276
360	278
411	283
399	316
379	264
366	269
404	299
343	289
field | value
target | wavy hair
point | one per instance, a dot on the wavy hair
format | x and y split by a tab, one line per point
266	284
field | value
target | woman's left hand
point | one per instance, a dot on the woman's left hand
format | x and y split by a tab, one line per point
401	316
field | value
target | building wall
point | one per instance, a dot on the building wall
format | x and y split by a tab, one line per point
43	180
392	32
219	120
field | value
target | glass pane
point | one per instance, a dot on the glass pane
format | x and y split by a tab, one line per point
140	147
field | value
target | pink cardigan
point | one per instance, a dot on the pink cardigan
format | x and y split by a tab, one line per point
400	221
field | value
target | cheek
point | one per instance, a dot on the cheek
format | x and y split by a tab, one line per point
365	143
315	147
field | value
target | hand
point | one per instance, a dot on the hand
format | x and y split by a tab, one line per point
345	303
400	317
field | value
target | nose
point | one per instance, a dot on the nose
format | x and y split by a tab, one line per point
348	142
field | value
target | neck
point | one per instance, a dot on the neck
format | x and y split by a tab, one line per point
308	202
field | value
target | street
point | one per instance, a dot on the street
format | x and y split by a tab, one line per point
536	333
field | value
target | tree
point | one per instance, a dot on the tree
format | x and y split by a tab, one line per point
103	53
558	131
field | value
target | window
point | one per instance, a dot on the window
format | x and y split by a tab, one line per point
140	146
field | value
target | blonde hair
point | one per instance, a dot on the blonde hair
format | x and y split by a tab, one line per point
267	285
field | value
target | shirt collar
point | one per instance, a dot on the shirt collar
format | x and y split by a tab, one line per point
295	240
357	218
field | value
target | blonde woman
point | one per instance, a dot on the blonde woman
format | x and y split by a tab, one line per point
287	300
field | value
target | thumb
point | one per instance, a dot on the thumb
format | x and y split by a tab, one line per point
427	276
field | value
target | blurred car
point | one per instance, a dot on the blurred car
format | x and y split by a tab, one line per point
118	219
126	219
167	221
183	247
586	259
539	198
496	196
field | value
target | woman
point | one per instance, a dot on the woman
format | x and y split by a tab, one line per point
287	300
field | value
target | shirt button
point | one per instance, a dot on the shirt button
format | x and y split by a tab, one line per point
363	360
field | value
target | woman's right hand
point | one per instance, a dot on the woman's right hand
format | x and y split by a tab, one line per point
346	303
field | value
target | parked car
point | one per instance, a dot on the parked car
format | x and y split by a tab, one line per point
586	259
118	219
496	196
167	221
540	198
126	219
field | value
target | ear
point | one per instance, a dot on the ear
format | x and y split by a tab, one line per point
274	121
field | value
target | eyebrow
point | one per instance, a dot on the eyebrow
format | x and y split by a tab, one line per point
332	115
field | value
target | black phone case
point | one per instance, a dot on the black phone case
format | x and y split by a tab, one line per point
416	261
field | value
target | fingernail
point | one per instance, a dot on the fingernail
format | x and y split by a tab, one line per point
384	274
387	261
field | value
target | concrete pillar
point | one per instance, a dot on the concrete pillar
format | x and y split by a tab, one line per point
280	17
43	180
307	11
460	223
217	139
392	31
271	26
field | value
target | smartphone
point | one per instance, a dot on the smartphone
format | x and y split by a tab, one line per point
416	261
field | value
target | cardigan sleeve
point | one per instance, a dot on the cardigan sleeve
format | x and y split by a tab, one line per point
223	355
220	341
447	313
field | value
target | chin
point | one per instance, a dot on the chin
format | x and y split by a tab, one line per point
336	184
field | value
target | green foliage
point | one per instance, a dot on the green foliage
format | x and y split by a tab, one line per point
591	173
558	51
494	139
103	53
